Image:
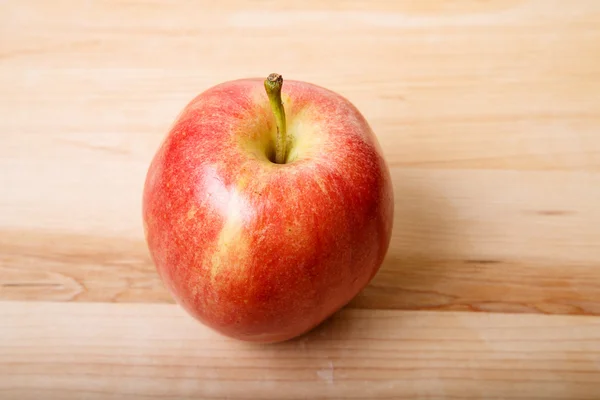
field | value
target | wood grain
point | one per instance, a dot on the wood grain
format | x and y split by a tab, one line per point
489	116
488	113
104	351
481	240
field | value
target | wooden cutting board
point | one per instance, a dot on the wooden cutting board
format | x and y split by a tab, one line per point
489	116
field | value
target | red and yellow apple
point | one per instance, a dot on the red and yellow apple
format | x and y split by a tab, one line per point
267	207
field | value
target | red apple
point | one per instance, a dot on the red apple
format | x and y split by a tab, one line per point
263	219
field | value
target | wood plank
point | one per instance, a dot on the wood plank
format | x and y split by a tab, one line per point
104	351
505	84
482	240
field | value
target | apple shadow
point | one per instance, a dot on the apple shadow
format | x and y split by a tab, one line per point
423	240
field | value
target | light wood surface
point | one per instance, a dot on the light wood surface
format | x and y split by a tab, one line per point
142	351
489	116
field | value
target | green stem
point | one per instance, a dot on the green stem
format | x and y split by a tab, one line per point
273	85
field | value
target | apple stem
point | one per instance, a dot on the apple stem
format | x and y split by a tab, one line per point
273	85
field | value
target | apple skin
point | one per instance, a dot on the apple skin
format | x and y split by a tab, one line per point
260	251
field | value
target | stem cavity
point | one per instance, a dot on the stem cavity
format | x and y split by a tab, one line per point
273	85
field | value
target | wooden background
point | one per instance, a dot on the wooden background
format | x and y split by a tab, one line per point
489	116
